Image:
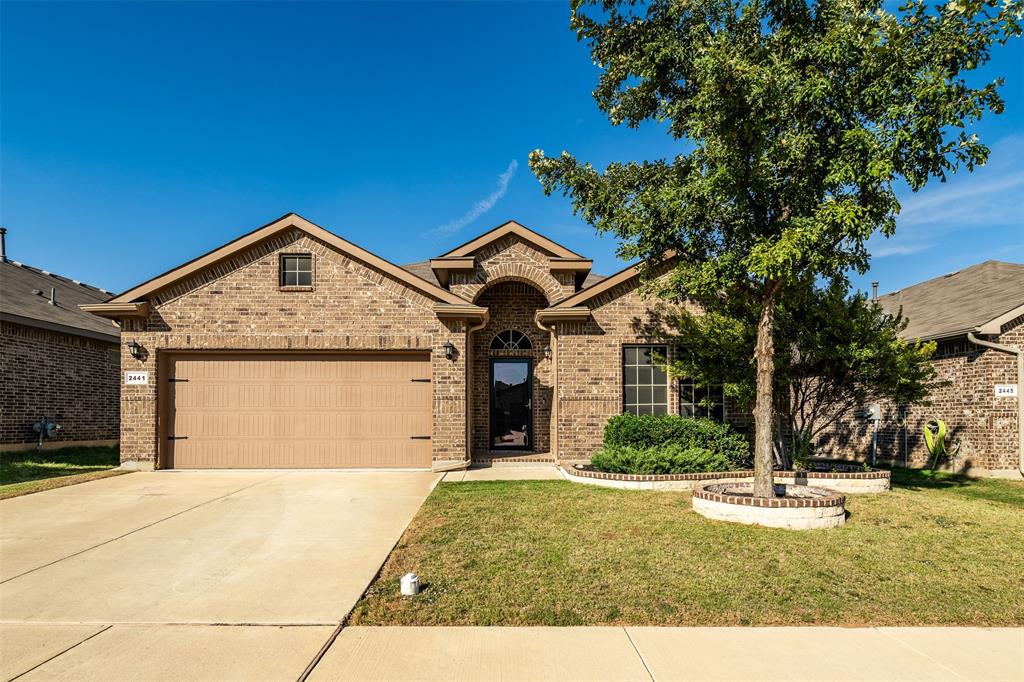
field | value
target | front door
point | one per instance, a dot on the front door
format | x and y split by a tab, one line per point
511	403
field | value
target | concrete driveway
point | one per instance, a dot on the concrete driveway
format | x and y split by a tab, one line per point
215	575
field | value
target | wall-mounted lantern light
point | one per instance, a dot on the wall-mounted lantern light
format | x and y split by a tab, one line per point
547	352
449	350
135	349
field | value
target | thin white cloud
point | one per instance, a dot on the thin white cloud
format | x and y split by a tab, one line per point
990	197
482	206
899	249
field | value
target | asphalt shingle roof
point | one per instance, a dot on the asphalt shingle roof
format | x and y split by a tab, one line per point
19	303
956	303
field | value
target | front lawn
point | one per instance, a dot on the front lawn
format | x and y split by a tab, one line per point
936	550
29	471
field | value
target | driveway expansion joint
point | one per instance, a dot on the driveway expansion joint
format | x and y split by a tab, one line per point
60	653
321	653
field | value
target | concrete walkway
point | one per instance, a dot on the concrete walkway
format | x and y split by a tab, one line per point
645	653
505	472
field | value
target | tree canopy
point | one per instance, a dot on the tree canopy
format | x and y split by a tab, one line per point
800	118
835	353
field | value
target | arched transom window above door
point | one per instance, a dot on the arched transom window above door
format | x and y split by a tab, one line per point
511	339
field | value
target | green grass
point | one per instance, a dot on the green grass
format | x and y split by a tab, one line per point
29	471
937	550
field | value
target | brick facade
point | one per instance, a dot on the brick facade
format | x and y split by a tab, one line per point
512	259
985	426
69	379
236	303
589	355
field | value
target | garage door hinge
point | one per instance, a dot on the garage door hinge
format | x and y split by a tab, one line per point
422	381
177	437
420	437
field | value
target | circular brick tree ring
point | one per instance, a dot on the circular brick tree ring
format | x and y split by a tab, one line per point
797	507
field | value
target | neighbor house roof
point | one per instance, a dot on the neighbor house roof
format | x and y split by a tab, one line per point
25	299
979	299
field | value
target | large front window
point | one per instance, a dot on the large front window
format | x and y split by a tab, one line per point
645	384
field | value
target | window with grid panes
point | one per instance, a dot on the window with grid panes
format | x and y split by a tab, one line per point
645	385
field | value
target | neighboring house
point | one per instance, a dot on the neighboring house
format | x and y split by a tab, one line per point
977	404
57	363
291	347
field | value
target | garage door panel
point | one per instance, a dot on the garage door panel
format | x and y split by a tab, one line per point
295	411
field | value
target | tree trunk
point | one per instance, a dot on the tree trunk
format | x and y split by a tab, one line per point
764	355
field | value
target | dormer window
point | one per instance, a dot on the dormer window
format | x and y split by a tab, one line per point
297	270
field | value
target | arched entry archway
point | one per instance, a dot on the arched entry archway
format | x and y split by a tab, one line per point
511	377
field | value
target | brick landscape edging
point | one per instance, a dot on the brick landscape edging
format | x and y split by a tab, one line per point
874	481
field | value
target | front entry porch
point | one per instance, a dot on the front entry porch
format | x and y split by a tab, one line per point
511	378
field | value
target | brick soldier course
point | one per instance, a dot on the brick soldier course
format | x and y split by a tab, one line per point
450	307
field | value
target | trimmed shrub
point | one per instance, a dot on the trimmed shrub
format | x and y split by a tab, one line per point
666	459
650	431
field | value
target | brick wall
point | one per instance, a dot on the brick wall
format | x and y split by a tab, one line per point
238	305
985	426
72	380
512	305
512	259
589	357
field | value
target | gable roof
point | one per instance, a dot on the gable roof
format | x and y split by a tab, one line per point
979	298
287	221
598	287
20	303
511	227
424	270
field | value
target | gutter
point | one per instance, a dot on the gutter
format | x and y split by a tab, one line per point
1012	350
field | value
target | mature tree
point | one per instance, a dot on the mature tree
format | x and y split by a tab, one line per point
799	117
834	353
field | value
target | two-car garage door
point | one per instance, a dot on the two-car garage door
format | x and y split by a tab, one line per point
298	411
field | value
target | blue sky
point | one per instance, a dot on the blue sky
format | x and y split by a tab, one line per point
137	136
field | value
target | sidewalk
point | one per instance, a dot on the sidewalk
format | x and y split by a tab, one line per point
649	653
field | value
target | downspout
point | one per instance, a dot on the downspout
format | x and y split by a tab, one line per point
1012	350
553	428
469	386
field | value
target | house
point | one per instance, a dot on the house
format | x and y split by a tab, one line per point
963	312
58	364
292	347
